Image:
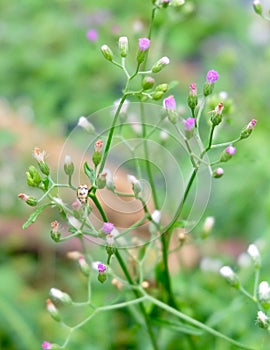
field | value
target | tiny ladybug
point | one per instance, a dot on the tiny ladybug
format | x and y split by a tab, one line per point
82	193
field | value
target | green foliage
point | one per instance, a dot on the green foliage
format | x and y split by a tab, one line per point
48	63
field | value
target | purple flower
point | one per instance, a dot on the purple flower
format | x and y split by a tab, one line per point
144	44
212	76
107	227
92	35
101	268
189	123
46	345
169	103
230	150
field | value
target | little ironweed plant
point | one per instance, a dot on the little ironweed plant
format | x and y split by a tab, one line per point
166	157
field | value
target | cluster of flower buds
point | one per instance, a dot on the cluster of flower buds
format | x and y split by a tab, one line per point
33	177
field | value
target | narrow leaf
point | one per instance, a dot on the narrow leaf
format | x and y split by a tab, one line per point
32	218
177	326
89	172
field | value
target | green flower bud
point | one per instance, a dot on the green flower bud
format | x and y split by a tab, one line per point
102	277
160	91
101	181
123	46
53	311
28	199
160	64
68	166
61	296
257	7
33	177
230	276
107	52
97	156
148	83
44	168
263	320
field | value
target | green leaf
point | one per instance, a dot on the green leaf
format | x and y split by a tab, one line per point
90	173
32	218
177	326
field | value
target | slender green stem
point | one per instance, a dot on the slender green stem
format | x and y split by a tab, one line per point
137	294
246	293
110	136
180	207
256	283
224	144
146	153
99	206
128	277
193	321
132	227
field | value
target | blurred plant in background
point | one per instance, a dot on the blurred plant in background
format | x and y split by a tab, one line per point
51	72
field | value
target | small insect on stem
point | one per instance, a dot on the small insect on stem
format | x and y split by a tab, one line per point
82	193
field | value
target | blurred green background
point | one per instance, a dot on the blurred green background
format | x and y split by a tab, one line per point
51	74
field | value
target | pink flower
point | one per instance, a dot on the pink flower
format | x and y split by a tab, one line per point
46	345
98	146
169	103
107	227
193	89
252	124
92	35
39	155
230	150
190	124
144	44
101	268
212	76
